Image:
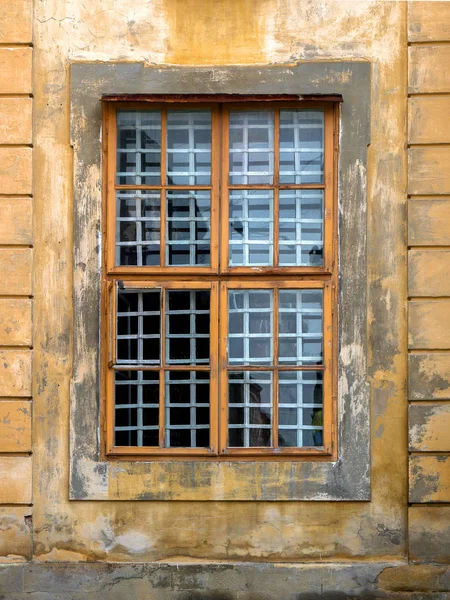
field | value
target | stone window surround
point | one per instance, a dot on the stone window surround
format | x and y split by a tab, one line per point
92	477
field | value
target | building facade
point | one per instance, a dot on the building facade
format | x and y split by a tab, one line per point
365	513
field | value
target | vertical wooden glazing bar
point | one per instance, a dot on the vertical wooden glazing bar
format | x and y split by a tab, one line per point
214	371
275	372
328	229
163	211
223	370
110	402
328	365
111	201
224	211
162	372
215	187
276	182
112	322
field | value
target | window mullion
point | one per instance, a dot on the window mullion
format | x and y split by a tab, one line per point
275	327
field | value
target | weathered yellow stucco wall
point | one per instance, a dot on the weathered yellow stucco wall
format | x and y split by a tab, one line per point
218	33
36	168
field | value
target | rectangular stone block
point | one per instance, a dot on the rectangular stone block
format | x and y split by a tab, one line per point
15	538
428	170
15	426
429	534
16	221
15	21
15	373
15	475
16	120
429	221
429	324
15	267
429	427
15	322
429	478
429	69
429	376
428	21
16	170
16	68
428	121
429	272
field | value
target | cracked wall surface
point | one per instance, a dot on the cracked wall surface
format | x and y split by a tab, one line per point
38	42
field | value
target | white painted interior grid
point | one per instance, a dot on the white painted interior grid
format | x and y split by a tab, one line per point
287	378
243	121
245	334
303	170
240	224
301	312
194	171
300	198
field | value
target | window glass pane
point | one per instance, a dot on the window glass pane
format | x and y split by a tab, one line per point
250	339
251	147
138	147
137	227
187	327
136	408
300	327
301	146
249	409
187	409
188	147
188	227
300	408
251	228
301	227
138	327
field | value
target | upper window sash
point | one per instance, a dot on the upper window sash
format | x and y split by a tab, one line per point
272	164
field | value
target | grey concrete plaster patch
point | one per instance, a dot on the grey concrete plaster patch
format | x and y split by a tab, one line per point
206	581
346	479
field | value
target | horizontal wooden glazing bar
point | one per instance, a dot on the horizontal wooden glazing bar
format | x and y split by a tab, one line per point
156	368
283	186
163	187
253	367
181	276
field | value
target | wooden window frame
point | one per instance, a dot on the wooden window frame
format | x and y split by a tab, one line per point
219	278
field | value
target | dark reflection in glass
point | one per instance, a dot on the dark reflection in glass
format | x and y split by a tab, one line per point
249	409
188	227
187	327
138	147
138	326
187	409
138	227
136	408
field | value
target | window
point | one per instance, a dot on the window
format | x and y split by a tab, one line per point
219	278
